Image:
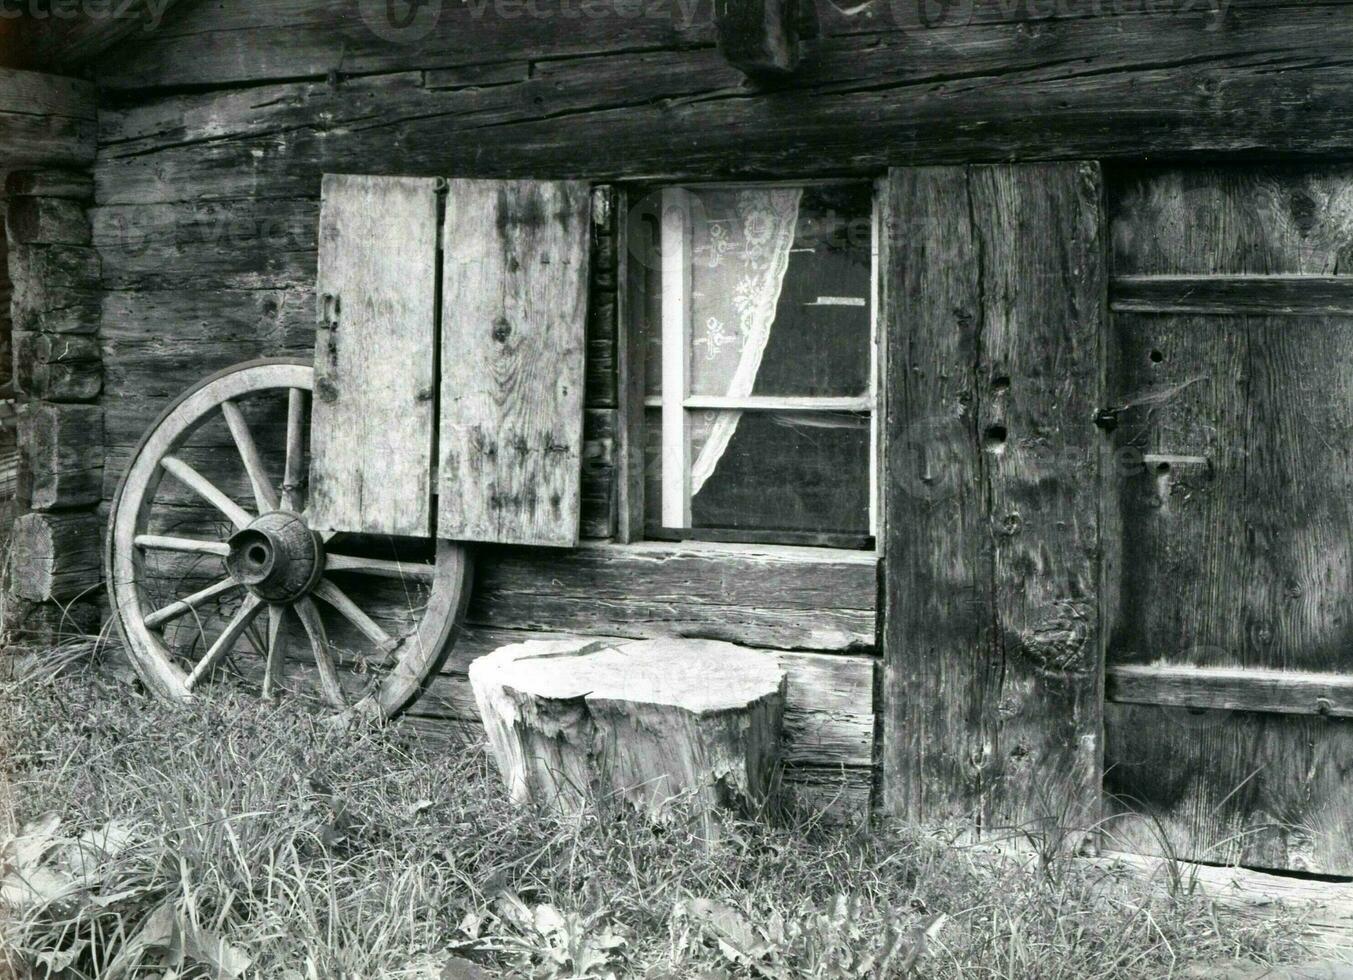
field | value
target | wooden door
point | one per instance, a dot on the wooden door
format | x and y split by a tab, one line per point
1230	663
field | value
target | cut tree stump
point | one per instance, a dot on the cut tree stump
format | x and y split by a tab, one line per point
647	721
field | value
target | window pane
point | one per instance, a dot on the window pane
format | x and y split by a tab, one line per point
781	471
780	291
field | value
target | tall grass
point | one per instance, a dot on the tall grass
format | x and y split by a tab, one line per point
249	839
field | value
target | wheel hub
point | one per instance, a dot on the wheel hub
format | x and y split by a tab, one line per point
277	557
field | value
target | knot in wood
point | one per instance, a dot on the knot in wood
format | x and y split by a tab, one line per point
1058	644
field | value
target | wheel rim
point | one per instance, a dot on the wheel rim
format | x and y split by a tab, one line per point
266	565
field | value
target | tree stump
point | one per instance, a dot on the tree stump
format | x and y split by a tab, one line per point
646	721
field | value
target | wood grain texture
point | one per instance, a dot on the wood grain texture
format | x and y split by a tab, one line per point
574	724
775	597
1242	563
994	302
56	556
45	121
372	424
1288	692
1005	85
63	455
1235	295
514	298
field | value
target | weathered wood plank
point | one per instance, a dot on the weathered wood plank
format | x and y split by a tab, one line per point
776	597
514	296
45	121
1233	689
937	615
374	406
1234	295
1041	235
994	296
1241	564
958	92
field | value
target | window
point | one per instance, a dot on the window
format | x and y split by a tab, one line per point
760	365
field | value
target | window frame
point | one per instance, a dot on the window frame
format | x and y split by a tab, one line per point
672	321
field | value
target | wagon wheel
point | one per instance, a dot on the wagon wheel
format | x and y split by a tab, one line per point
246	591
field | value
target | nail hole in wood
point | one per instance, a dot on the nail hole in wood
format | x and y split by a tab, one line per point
995	436
1000	383
1157	357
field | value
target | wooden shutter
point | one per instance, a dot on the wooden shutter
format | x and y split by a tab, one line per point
373	415
994	292
514	306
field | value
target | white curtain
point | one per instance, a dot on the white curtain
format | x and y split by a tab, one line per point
740	245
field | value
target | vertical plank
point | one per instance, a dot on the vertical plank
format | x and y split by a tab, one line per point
995	299
514	304
937	569
633	249
676	375
373	413
1043	323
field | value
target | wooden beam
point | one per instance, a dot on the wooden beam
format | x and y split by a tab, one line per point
778	597
1288	692
1241	295
994	89
63	42
995	282
45	121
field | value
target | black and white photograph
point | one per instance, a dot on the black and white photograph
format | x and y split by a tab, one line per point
676	490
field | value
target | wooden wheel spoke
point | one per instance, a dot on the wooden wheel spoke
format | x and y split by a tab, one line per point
293	473
181	607
381	567
319	646
164	542
207	490
276	651
350	611
234	629
253	463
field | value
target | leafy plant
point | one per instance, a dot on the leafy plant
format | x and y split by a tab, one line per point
838	942
548	944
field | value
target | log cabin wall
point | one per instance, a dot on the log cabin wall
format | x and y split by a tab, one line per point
51	292
217	125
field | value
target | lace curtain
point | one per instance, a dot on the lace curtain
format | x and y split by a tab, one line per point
740	245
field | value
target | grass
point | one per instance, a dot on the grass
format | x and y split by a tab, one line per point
246	839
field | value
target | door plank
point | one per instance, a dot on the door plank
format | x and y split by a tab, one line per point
1243	566
994	302
373	409
513	335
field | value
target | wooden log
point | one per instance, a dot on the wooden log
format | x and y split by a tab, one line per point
74	185
46	221
63	455
578	722
989	90
56	556
45	120
40	626
52	277
774	597
58	367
